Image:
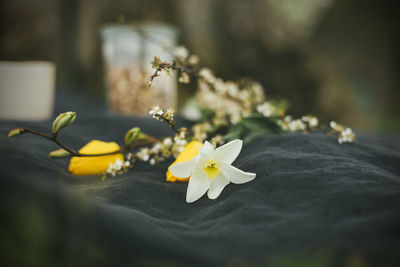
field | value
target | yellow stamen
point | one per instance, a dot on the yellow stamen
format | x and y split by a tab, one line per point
212	169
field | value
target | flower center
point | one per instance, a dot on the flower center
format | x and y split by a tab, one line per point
211	169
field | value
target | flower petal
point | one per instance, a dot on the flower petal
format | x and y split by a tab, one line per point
183	169
190	151
229	152
235	175
206	150
198	186
217	185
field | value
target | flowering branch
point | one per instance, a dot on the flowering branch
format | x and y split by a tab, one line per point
59	124
167	116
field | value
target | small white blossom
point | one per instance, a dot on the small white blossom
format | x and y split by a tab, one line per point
346	136
258	91
182	134
116	167
313	122
232	88
235	118
152	161
207	75
199	131
156	111
266	109
296	125
111	170
193	60
167	141
219	86
118	164
181	52
169	113
179	141
184	78
156	148
287	118
143	154
211	170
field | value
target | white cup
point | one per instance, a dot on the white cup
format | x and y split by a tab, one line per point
26	90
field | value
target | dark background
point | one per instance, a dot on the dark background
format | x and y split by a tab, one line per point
337	59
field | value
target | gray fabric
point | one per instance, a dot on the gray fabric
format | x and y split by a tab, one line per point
313	203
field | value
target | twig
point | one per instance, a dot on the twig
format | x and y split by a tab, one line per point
78	154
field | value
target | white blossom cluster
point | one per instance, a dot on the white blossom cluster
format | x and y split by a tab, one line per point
266	109
291	125
181	53
311	120
184	78
346	135
183	58
200	131
118	167
233	100
179	142
159	114
163	149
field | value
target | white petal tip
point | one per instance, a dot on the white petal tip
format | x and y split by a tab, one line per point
251	176
190	200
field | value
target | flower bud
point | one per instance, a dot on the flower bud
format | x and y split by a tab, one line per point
15	132
63	120
59	153
132	135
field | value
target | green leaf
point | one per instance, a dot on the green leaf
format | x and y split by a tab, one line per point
251	128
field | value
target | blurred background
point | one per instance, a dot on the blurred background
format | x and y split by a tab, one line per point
336	59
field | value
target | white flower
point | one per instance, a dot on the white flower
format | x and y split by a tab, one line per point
296	125
143	154
313	122
184	78
167	141
266	109
207	75
193	60
211	170
287	118
232	88
118	164
346	136
181	52
116	167
156	148
156	111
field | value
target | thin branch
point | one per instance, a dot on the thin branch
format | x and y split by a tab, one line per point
78	154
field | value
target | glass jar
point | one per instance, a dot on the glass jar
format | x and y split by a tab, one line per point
128	50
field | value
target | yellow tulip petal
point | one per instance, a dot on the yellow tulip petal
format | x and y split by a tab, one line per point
192	149
94	165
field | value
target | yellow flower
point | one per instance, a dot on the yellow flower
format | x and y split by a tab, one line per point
94	165
190	150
